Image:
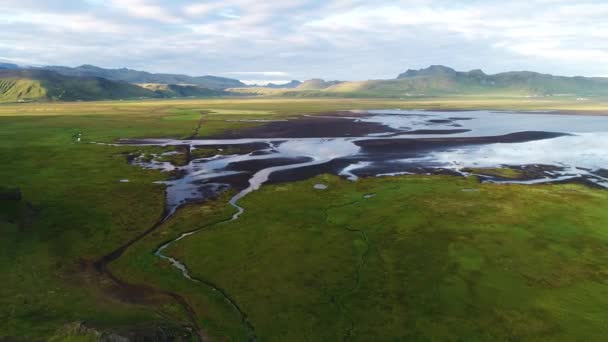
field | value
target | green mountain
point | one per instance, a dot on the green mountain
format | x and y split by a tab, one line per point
441	80
135	76
178	90
292	84
438	80
45	85
8	66
33	85
316	84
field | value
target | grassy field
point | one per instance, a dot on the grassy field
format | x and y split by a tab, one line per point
296	106
503	172
420	260
396	262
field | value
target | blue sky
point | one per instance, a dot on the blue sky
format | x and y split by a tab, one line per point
278	40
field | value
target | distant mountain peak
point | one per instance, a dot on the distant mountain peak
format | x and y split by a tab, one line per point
430	71
477	72
439	69
10	66
316	84
291	84
88	66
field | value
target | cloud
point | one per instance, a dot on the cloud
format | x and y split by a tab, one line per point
229	13
146	10
83	23
200	9
335	39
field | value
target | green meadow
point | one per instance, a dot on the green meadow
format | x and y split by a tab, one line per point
424	258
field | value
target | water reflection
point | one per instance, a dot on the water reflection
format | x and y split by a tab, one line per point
415	142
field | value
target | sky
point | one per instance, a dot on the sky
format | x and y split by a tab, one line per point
281	40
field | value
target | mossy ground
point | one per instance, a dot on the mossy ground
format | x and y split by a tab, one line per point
420	260
503	172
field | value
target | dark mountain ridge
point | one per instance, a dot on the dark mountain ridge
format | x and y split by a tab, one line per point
291	84
136	76
40	84
10	66
449	80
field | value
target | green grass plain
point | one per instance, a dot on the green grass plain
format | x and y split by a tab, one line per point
503	172
420	260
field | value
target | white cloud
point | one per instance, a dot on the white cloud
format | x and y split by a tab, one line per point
337	39
66	22
200	9
146	10
229	13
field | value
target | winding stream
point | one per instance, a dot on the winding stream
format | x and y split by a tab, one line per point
544	147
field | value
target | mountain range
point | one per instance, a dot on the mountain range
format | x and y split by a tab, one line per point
136	76
438	80
22	85
290	85
38	84
8	66
87	82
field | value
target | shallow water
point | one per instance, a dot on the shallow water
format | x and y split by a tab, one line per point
415	142
489	123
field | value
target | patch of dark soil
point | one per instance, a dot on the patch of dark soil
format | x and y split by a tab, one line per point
308	127
581	181
389	168
416	115
376	146
260	153
301	173
10	194
235	148
439	121
342	113
568	112
259	164
602	173
240	180
455	118
237	181
209	190
449	110
436	131
131	156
